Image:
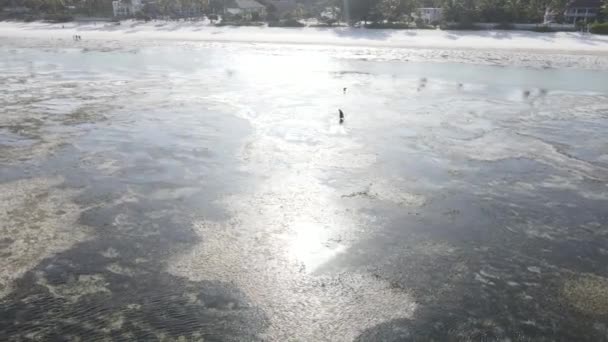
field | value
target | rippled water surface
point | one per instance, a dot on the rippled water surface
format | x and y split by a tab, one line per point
183	193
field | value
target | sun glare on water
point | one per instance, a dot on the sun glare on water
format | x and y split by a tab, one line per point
303	69
311	245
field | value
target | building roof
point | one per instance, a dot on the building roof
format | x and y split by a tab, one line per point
584	4
283	6
249	4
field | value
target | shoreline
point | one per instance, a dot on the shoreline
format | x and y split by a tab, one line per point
129	30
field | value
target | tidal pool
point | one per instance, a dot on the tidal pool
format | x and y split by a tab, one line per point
196	192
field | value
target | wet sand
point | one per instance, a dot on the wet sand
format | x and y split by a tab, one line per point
180	192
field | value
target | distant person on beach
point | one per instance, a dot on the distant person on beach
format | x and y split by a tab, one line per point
341	116
422	84
344	90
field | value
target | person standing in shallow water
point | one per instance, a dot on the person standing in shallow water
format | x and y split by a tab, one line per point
340	110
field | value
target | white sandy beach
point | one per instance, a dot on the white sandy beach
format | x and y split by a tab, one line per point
344	36
498	48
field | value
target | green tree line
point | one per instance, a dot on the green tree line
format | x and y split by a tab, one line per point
351	11
461	11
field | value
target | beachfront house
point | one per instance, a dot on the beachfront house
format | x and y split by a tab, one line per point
248	9
576	11
582	10
126	8
188	9
429	15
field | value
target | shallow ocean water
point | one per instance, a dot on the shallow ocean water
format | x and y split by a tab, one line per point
200	193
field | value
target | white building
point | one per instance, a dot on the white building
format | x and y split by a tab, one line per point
582	10
430	15
331	13
576	10
126	8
